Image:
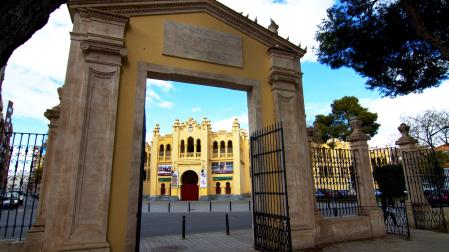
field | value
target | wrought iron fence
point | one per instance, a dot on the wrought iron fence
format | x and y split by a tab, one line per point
271	219
428	183
22	158
390	190
335	180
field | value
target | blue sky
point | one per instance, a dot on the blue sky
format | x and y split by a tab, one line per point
38	67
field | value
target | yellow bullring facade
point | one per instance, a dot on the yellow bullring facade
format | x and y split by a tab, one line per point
196	163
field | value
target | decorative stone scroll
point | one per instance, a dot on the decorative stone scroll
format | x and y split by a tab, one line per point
186	41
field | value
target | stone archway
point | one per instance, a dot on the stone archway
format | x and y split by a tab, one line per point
93	177
189	187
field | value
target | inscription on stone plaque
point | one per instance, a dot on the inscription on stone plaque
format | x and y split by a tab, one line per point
186	41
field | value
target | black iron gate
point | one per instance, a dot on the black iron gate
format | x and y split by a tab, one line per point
22	158
390	190
429	189
271	219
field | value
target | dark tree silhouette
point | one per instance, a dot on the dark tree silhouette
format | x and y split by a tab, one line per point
400	46
19	20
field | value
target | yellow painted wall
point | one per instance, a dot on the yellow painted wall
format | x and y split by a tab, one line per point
143	39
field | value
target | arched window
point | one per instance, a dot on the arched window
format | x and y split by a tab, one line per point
222	147
161	150
183	148
229	146
228	188
168	151
162	189
217	188
198	145
190	147
215	147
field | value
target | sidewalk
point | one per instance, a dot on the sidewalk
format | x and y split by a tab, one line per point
196	206
241	240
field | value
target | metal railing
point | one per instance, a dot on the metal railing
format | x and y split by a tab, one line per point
335	181
390	189
22	157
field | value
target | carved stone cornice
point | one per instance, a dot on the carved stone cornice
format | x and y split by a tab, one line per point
130	8
89	45
103	15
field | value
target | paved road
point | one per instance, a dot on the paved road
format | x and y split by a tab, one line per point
16	221
157	224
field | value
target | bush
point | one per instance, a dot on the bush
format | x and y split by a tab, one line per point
390	179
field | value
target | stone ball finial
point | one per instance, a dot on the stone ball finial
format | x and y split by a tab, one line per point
273	26
405	138
404	129
357	132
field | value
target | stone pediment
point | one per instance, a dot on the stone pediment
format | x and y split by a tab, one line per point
130	8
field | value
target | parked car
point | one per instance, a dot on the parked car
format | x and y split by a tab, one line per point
377	193
20	195
10	200
437	200
319	194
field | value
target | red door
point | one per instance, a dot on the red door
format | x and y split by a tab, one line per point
189	192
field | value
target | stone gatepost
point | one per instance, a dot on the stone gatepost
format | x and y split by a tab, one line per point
407	143
358	142
288	101
83	150
36	232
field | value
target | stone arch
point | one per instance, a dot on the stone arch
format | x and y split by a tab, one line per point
115	48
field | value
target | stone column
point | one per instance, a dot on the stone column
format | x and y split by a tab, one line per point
80	190
36	232
318	215
407	143
358	142
288	103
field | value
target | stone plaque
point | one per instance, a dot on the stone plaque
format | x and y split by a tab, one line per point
186	41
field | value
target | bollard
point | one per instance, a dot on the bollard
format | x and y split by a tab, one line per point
249	205
227	225
149	207
230	206
183	227
189	206
169	206
210	206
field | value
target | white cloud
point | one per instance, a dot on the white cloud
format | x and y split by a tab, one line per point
390	110
164	86
297	19
226	124
38	67
152	98
196	110
31	92
314	108
166	104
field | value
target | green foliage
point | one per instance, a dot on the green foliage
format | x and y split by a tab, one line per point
336	123
400	46
390	179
